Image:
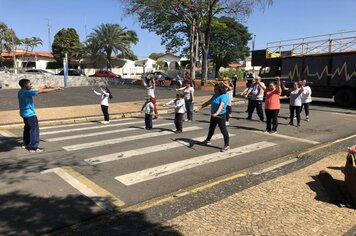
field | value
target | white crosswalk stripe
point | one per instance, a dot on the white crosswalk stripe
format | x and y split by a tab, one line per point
100	133
85	123
88	128
123	139
146	150
163	170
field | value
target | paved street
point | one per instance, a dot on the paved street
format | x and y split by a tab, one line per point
89	169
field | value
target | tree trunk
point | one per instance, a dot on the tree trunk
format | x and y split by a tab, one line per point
192	45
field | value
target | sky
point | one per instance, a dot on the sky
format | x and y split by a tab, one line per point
285	19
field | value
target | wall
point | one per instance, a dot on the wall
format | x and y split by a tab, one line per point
10	81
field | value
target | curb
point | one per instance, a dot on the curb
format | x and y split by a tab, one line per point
96	118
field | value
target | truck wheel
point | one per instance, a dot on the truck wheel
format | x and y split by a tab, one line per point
345	97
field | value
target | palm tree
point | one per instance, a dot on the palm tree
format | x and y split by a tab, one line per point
111	38
30	44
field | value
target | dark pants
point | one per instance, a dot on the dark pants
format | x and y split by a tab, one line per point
306	108
258	105
178	121
105	110
148	121
189	106
31	132
228	112
271	117
297	110
219	120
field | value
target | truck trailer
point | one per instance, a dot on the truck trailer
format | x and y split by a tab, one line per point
327	62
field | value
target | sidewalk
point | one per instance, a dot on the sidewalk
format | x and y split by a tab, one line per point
294	204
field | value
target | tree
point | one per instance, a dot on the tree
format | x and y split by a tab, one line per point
30	44
155	55
132	57
188	19
111	38
228	42
67	41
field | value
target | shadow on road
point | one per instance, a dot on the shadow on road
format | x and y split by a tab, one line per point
26	214
193	142
7	144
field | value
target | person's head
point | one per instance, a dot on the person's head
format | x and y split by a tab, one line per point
187	83
256	79
271	86
148	98
295	85
25	84
179	96
106	89
219	88
304	82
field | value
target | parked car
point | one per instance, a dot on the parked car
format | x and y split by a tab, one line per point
105	73
39	72
72	72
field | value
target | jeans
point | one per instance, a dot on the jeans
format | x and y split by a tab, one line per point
271	117
178	121
258	105
189	106
105	110
31	132
297	110
306	107
148	121
219	120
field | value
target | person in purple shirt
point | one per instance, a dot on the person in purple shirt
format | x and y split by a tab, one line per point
218	104
31	133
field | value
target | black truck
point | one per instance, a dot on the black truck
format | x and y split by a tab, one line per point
330	73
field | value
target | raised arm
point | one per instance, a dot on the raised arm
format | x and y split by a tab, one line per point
262	85
278	86
47	90
284	87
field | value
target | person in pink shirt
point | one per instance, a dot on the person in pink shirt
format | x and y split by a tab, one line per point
272	104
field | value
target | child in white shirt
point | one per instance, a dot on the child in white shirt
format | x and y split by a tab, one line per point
179	105
105	95
148	107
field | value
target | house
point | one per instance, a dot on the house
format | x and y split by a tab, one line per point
27	59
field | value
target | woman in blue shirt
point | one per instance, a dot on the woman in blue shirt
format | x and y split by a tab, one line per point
218	114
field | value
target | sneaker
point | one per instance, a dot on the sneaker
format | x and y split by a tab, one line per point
298	125
189	120
178	131
36	150
290	123
227	123
248	118
266	131
294	118
155	118
225	149
206	142
24	147
307	118
274	132
185	120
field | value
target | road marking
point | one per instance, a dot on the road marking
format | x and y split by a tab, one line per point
100	196
344	139
100	133
146	150
274	167
7	134
288	137
123	139
80	124
162	170
344	114
88	128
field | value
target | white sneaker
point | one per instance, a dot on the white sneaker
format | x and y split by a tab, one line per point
185	120
105	122
36	150
227	123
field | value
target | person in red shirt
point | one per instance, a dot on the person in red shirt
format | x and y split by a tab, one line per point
272	104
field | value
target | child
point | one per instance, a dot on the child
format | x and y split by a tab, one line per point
179	105
105	96
148	107
230	89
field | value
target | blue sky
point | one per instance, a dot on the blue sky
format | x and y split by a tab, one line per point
285	19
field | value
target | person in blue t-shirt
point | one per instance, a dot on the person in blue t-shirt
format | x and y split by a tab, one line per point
31	133
218	104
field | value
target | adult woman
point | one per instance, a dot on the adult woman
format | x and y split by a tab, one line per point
306	99
295	101
150	87
272	104
189	100
218	104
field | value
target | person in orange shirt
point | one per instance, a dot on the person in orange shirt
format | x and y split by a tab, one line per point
272	104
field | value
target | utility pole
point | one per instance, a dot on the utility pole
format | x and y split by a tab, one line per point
253	49
85	27
49	36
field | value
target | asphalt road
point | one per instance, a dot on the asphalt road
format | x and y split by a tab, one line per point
66	184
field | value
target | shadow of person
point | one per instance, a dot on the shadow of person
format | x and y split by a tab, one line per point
193	143
8	143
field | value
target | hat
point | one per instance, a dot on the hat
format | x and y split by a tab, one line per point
148	97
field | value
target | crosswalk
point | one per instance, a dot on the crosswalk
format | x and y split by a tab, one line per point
103	146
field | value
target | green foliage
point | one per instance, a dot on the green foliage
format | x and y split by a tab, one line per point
228	42
155	55
231	72
67	41
1	59
132	57
111	38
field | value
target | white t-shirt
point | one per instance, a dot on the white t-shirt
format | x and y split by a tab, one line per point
306	97
188	94
179	105
149	108
229	97
104	97
151	91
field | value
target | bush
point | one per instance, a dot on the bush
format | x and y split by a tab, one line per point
231	72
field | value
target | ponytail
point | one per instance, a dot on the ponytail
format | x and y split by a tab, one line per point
107	90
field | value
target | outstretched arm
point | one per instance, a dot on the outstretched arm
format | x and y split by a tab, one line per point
205	104
47	90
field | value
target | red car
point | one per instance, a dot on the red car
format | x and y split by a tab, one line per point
105	73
